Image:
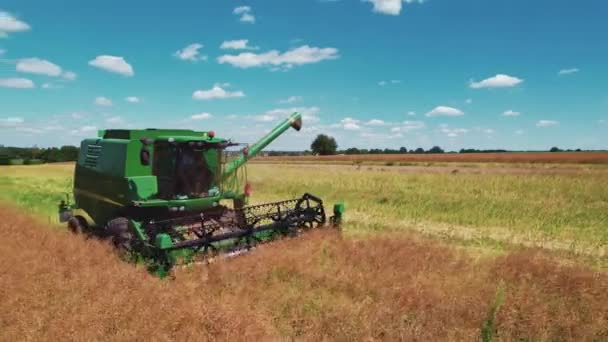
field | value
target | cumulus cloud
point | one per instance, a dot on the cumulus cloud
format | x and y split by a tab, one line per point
350	124
309	114
38	66
84	131
546	123
390	7
19	83
240	44
217	92
498	81
383	83
445	111
115	120
201	116
408	126
245	13
115	64
132	99
452	132
8	23
103	101
298	56
43	67
375	122
568	71
191	53
291	99
511	113
69	75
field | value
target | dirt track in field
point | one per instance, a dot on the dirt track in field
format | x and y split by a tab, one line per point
56	286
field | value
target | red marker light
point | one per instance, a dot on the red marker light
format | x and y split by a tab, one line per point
211	134
248	189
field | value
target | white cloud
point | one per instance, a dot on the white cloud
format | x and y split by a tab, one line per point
468	101
245	13
546	123
217	92
69	75
51	86
383	83
20	83
297	56
601	122
114	64
8	23
452	132
568	71
511	113
408	126
115	120
29	130
390	7
77	115
84	130
519	132
498	81
2	52
11	122
411	113
132	99
375	122
309	114
291	99
191	53
103	101
38	66
445	111
489	131
201	116
350	124
43	67
240	44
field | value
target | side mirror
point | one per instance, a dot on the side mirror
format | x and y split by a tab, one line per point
144	157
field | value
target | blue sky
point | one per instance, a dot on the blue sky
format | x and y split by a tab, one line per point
516	74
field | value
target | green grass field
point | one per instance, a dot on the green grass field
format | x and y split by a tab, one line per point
566	212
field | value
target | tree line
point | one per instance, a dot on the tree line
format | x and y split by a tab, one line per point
37	155
326	145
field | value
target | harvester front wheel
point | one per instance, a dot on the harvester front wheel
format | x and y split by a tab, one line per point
77	225
120	234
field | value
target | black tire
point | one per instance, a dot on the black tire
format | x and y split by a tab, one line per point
77	225
120	234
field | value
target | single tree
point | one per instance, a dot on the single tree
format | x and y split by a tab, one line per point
436	149
324	145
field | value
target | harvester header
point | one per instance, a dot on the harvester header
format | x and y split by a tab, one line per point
164	194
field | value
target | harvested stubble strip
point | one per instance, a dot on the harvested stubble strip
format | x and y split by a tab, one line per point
57	286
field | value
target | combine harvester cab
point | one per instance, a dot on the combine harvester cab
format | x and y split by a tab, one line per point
163	194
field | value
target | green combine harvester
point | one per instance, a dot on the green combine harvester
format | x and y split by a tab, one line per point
164	195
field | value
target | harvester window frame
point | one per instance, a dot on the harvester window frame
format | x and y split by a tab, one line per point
197	181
